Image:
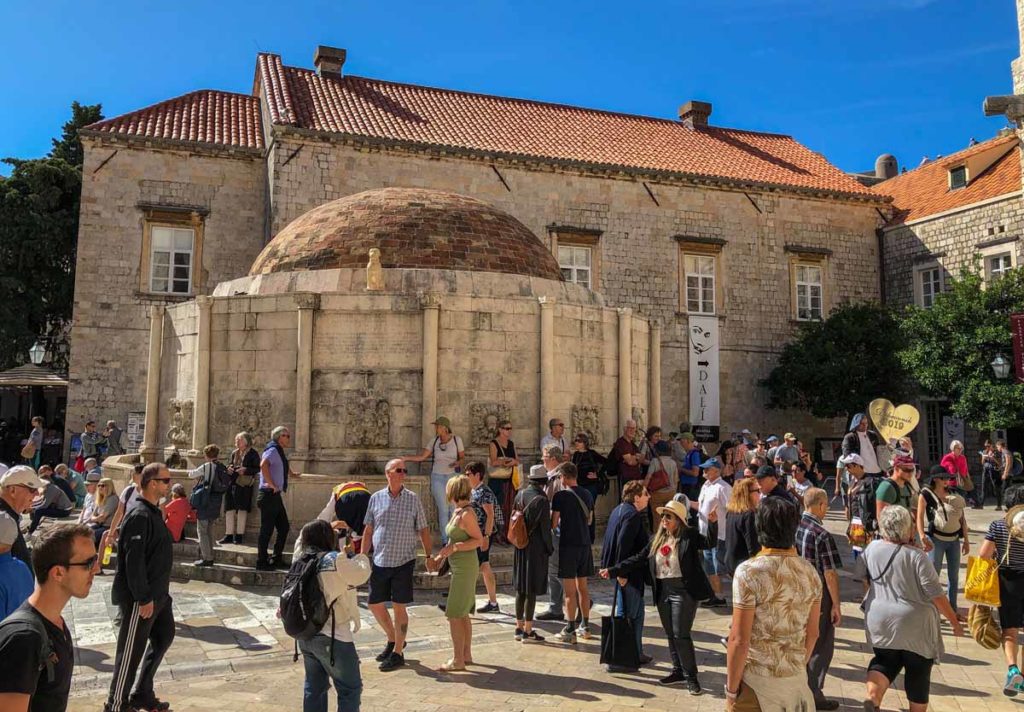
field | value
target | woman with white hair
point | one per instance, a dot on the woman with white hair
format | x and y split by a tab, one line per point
901	611
955	463
1004	543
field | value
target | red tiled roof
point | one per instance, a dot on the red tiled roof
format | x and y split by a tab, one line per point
422	115
206	116
925	191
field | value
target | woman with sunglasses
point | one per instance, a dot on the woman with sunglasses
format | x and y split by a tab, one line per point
942	526
503	461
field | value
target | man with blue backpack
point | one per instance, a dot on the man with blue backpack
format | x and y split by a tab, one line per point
213	480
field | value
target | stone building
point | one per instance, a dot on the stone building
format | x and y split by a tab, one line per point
686	223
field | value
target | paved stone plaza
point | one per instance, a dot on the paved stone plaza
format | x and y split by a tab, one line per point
230	651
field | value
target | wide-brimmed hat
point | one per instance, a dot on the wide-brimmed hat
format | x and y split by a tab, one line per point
677	508
1011	514
538	473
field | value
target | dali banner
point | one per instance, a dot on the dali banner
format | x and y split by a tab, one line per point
704	394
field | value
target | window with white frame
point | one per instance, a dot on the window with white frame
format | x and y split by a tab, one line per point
997	265
700	284
929	284
808	293
170	264
576	264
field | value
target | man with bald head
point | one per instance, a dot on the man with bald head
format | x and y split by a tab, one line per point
394	519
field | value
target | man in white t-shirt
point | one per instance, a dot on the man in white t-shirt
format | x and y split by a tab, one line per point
711	509
556	437
446	454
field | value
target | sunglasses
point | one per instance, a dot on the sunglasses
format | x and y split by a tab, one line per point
165	480
87	564
907	469
400	470
505	428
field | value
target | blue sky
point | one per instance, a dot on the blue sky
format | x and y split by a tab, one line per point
849	78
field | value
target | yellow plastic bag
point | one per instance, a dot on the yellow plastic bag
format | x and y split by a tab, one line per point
515	477
982	585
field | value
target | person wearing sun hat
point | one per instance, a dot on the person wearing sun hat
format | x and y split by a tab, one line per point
674	562
942	526
1004	543
446	454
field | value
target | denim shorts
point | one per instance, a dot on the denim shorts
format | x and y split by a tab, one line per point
714	560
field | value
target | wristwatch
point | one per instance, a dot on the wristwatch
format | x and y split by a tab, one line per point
730	695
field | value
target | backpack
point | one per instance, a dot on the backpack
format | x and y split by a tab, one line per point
938	515
221	479
866	500
518	534
303	608
26	620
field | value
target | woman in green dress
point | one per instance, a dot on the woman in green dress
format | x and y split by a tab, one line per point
464	538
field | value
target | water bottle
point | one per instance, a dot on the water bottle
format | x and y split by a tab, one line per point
107	551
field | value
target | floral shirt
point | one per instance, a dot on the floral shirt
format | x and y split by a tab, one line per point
776	585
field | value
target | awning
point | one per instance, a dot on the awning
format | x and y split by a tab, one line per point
31	375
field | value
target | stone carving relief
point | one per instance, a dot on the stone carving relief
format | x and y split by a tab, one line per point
374	272
254	418
180	432
368	423
587	419
640	416
485	418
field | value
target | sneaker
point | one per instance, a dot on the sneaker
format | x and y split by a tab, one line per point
714	602
645	659
202	562
1013	681
674	679
532	637
566	636
152	705
584	632
238	538
264	566
491	607
393	662
693	687
228	539
550	615
826	704
386	653
519	635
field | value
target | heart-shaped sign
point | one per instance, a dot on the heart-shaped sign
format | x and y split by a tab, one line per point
893	421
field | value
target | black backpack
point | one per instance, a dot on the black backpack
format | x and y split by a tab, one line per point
304	611
866	499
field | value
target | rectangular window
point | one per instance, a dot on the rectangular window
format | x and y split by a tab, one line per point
700	284
997	265
575	262
171	250
808	293
930	285
958	177
933	430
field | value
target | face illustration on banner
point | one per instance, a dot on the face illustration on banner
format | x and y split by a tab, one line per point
701	339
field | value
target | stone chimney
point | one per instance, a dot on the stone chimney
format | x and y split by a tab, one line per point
694	114
328	61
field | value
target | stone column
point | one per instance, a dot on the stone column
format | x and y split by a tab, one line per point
431	304
201	412
307	304
150	448
654	376
547	363
625	366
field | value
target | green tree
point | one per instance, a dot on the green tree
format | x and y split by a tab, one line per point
39	205
950	347
836	366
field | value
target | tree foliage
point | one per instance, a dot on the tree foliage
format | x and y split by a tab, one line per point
835	367
950	348
39	205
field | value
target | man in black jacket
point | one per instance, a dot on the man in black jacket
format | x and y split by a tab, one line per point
141	590
863	442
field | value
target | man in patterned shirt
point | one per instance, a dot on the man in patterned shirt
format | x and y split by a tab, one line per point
816	544
394	520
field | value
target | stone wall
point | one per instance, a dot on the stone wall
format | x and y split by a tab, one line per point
109	334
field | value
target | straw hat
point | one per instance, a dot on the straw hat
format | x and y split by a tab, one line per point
677	508
1011	514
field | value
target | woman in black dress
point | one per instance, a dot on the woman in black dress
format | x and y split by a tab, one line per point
244	467
530	565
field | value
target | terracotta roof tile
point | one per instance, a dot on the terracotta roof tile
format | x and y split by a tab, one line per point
206	116
925	191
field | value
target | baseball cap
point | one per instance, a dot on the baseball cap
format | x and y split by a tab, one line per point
852	459
711	462
771	439
8	529
766	471
745	431
21	475
443	422
903	461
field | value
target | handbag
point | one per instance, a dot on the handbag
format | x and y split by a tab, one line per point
29	451
618	641
515	477
658	479
984	627
982	583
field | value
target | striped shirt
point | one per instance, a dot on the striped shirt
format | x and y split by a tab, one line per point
998	535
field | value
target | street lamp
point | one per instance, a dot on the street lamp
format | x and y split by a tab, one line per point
36	353
1001	367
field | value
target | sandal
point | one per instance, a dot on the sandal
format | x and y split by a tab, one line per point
450	666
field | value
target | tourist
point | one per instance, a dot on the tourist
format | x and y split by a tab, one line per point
464	538
15	575
213	477
673	562
689	470
274	474
768	483
124	499
530	565
901	611
800	482
861	512
35	444
142	593
330	655
863	442
772	443
815	543
590	466
394	520
776	605
490	520
51	502
551	458
734	458
243	466
991	471
18	487
895	489
112	434
1009	465
91	441
625	536
556	437
36	652
503	462
955	463
177	512
941	525
1004	544
624	459
572	513
446	454
345	511
712	506
652	436
99	515
760	451
662	479
47	474
740	532
77	481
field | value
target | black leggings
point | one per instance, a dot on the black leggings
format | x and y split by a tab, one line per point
677	609
917	671
526	604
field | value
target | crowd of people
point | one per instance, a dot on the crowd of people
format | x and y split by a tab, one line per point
745	524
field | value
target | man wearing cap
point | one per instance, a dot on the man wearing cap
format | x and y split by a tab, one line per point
860	504
788	452
896	488
863	442
768	483
18	487
556	436
142	592
15	576
446	454
772	441
711	509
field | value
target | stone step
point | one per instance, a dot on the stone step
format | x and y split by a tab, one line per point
230	554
